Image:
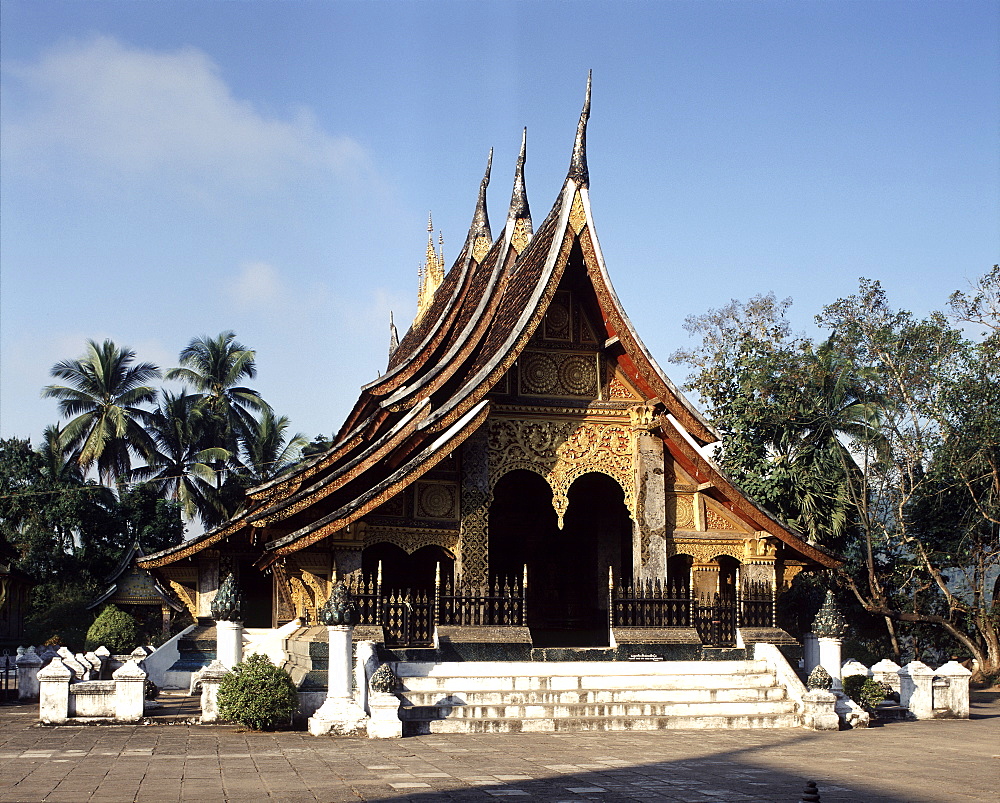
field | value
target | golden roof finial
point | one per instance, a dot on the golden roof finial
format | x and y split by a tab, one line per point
431	272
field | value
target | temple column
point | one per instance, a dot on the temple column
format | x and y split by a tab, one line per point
649	543
471	567
339	712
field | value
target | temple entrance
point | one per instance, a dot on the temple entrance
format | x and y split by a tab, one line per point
568	568
258	593
401	571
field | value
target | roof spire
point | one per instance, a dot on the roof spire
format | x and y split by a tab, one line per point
480	236
393	336
519	197
431	272
578	164
520	214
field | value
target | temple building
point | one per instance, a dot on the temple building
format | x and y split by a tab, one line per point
523	472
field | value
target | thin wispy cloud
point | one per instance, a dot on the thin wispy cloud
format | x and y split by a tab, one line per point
130	112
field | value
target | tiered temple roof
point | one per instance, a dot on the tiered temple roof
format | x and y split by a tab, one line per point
435	393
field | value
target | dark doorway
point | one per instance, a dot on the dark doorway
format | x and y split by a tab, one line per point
568	568
258	594
401	571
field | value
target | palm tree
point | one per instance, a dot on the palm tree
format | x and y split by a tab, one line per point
105	390
57	464
214	367
266	454
184	471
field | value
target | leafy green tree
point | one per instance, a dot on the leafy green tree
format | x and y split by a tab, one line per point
103	402
783	406
115	629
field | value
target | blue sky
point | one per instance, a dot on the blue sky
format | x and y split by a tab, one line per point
175	169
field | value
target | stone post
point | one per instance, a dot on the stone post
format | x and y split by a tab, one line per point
28	663
829	627
227	610
339	712
957	697
916	689
210	677
810	653
886	671
819	703
853	667
103	655
130	691
384	704
53	692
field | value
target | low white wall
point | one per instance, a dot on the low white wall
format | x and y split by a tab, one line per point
163	657
784	673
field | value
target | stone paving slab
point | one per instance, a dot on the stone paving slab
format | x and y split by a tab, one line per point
909	762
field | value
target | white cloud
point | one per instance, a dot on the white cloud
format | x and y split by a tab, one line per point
258	287
135	112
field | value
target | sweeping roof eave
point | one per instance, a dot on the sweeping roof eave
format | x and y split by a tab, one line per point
737	500
363	504
350	468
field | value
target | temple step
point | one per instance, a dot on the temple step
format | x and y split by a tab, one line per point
507	697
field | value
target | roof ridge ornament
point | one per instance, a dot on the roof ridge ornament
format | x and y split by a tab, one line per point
393	336
519	209
480	227
578	164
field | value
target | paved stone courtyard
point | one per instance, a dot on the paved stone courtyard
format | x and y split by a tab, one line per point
916	762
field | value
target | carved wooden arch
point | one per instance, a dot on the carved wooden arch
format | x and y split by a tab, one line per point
562	451
706	553
411	542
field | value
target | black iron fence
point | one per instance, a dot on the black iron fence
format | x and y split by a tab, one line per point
715	617
408	616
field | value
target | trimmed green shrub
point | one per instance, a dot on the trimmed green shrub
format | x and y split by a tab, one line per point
866	692
114	629
257	694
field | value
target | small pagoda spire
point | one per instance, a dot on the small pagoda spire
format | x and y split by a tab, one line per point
578	164
393	336
431	273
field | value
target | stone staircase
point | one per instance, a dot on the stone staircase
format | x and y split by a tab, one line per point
508	697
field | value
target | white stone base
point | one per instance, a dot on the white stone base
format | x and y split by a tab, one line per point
818	710
385	722
342	717
849	712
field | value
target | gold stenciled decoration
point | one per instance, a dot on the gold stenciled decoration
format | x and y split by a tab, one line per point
551	373
577	214
475	509
481	248
435	500
680	515
705	552
411	539
521	235
716	521
561	451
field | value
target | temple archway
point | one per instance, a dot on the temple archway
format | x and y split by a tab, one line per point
568	567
